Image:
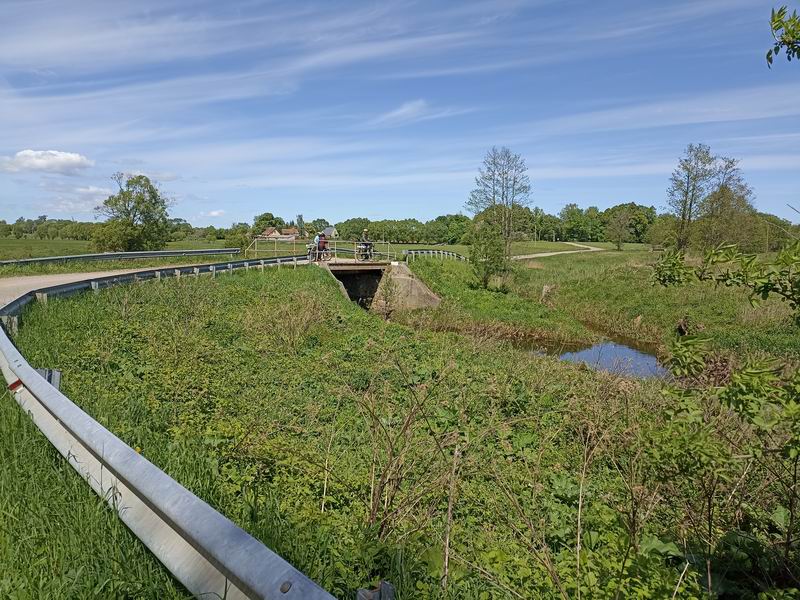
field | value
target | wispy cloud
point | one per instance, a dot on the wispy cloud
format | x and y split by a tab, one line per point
413	111
743	104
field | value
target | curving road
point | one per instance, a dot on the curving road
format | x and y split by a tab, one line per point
13	287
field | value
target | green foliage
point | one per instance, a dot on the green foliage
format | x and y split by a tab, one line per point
687	357
136	217
786	31
340	440
726	265
488	254
264	220
671	269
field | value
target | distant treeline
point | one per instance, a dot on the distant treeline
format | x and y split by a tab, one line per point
742	224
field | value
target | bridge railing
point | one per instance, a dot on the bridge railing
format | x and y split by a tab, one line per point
205	551
118	256
423	253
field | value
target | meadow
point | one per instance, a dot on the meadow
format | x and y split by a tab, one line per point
608	293
34	248
362	449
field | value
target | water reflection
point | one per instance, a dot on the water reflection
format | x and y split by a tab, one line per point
617	358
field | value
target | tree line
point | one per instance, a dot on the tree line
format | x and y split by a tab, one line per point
708	203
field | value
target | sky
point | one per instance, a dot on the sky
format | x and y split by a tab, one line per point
384	109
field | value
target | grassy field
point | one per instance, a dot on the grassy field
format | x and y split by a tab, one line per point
454	466
499	312
30	248
57	539
26	248
610	293
357	448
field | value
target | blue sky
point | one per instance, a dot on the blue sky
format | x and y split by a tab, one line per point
383	109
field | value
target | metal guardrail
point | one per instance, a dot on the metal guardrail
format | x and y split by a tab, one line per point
205	551
119	256
433	253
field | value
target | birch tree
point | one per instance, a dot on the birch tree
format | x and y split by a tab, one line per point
501	185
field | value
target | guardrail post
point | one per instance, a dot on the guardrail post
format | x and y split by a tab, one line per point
95	287
41	297
261	266
197	271
177	273
11	323
247	266
213	271
294	262
158	275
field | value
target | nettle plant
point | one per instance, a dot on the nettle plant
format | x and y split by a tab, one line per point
731	452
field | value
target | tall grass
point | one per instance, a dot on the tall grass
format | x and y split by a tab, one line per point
57	538
331	438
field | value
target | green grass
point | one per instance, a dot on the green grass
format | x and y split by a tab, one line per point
57	538
284	405
29	248
509	314
612	291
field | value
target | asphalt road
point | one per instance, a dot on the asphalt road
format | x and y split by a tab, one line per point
13	287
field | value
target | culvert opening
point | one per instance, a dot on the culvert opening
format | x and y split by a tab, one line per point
360	281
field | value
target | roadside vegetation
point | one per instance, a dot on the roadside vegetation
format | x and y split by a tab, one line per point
57	539
360	449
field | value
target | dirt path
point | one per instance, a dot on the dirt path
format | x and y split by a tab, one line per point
583	248
13	287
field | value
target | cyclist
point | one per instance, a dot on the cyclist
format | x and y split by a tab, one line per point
365	246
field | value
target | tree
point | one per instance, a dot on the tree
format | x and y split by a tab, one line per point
488	253
264	220
301	225
617	229
502	184
726	213
137	217
319	225
641	219
351	228
786	31
689	184
574	224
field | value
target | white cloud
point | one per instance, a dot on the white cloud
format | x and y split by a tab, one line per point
213	213
94	192
48	161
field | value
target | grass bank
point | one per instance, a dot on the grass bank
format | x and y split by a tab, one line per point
506	310
57	538
360	449
572	297
613	291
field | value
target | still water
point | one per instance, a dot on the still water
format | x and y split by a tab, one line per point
617	358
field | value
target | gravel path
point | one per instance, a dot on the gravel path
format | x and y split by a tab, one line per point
583	248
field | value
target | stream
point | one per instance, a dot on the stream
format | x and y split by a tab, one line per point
615	356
